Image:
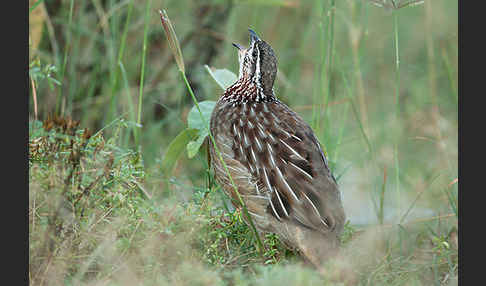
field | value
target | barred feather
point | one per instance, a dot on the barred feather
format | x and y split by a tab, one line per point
273	156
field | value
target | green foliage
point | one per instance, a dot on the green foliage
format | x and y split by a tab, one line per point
223	77
38	72
194	121
228	241
348	233
80	182
176	149
108	209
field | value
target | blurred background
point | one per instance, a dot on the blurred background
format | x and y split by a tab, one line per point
388	126
339	63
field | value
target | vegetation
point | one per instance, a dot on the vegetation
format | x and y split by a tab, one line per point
119	187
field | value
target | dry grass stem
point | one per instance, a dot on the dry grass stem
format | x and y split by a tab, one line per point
172	38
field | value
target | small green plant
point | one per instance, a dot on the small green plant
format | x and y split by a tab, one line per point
82	182
348	233
40	72
197	130
227	240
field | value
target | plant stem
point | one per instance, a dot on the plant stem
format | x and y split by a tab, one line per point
397	106
397	64
318	71
381	212
220	157
131	111
142	73
397	113
329	60
119	62
34	96
64	63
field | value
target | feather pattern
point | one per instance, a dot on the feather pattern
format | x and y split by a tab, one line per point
273	157
284	157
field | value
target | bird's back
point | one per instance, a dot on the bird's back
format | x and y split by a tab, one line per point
273	159
277	164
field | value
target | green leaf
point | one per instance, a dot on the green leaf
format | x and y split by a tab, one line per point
193	146
176	148
194	121
223	77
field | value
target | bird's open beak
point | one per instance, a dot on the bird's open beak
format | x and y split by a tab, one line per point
241	50
253	36
238	46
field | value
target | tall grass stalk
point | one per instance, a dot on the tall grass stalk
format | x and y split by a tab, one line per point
341	132
433	88
119	64
131	110
381	210
329	56
94	81
319	69
60	96
450	73
328	69
357	50
324	68
397	113
350	93
397	107
175	47
142	72
417	197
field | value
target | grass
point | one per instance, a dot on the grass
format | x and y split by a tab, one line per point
104	210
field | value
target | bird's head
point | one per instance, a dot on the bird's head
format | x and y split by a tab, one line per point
257	62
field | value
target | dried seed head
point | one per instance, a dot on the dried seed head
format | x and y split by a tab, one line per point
172	38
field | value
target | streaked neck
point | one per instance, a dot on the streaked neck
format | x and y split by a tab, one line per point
245	90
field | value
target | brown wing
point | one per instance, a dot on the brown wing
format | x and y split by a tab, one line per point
222	119
299	171
284	162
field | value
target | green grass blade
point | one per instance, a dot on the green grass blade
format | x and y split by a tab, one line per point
66	51
35	5
142	72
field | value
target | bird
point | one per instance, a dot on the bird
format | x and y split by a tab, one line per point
275	161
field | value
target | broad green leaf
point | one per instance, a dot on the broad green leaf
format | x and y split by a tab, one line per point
193	146
223	77
194	121
176	148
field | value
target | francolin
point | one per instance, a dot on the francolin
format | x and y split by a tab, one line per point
275	160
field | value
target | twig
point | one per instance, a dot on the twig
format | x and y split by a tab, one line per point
34	95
